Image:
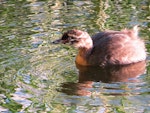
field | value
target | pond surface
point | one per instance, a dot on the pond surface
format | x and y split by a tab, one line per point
37	76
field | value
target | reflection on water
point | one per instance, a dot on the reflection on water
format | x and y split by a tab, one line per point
36	76
111	74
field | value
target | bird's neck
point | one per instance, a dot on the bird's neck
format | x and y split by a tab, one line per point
85	50
82	57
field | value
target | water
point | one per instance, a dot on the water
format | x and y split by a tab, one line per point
37	76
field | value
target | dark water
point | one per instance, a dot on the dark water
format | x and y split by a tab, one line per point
37	76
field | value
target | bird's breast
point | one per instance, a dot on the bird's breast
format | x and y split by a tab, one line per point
81	60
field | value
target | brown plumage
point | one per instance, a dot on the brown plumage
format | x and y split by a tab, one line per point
106	48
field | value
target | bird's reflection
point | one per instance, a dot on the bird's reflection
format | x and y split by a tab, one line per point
88	75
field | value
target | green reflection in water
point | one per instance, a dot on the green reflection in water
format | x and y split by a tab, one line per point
32	69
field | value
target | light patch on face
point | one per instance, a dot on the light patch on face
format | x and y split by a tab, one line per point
79	40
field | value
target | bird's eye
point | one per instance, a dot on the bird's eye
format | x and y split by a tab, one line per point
72	39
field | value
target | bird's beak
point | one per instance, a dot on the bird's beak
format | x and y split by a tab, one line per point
59	41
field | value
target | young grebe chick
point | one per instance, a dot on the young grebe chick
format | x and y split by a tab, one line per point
106	48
